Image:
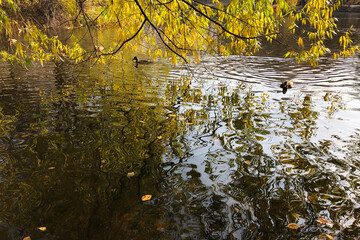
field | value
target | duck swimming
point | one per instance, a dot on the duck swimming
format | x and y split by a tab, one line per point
143	61
286	85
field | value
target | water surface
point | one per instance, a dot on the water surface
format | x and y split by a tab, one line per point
223	152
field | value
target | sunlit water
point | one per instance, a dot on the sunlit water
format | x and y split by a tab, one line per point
223	152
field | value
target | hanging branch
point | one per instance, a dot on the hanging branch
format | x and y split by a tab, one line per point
127	40
158	33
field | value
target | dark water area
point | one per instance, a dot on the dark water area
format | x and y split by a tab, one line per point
223	152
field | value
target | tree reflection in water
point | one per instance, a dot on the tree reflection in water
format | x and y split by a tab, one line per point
224	158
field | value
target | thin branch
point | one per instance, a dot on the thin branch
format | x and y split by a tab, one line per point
157	31
222	26
127	40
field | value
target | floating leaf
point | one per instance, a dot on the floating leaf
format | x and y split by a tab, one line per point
272	107
27	238
172	115
325	236
42	228
12	41
51	168
130	174
293	226
146	197
247	162
329	236
182	119
159	137
324	221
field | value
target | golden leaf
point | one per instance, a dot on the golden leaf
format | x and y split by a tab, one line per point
130	174
12	41
146	197
293	226
172	115
324	221
182	119
159	137
329	236
27	238
325	236
248	162
42	228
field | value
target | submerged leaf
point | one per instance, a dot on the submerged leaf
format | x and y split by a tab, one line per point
293	226
325	221
325	236
130	174
146	197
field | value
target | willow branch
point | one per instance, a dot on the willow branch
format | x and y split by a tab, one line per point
222	26
127	40
157	31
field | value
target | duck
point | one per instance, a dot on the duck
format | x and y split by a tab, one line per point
286	85
143	61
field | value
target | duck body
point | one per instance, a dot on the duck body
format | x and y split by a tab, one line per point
286	85
143	61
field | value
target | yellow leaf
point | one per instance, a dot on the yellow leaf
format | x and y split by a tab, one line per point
182	119
293	226
51	168
159	137
248	162
325	236
172	115
130	174
27	238
325	221
42	228
300	42
329	236
146	197
12	41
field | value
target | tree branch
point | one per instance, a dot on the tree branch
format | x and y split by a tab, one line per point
127	40
222	26
157	31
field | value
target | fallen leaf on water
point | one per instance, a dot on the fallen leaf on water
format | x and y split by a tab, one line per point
182	119
42	228
189	123
293	226
159	137
272	107
329	236
51	168
12	41
324	221
172	115
130	174
146	197
247	162
325	236
27	238
295	215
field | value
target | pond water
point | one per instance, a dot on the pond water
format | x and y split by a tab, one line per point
223	152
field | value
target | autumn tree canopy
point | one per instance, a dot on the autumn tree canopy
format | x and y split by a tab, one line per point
177	29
